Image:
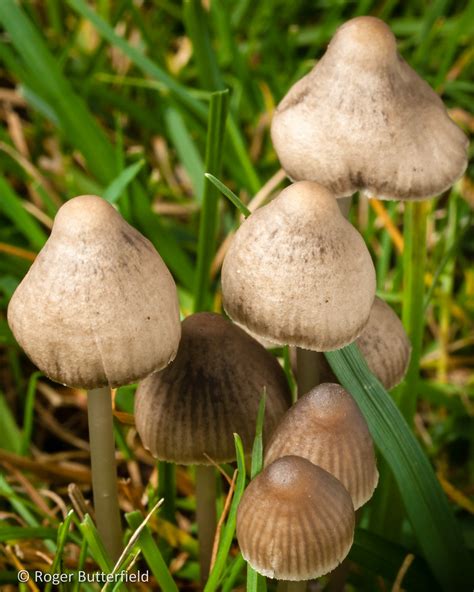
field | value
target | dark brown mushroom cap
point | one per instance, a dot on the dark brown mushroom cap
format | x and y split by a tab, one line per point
98	306
295	521
363	119
384	345
326	427
211	391
297	272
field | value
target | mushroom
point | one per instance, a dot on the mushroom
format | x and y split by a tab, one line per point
326	427
97	309
295	521
298	273
384	345
188	412
363	119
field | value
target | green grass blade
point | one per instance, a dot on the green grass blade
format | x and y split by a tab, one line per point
63	532
426	505
243	209
209	210
10	435
186	149
76	121
195	19
28	413
229	529
234	572
152	553
12	207
114	190
96	547
10	534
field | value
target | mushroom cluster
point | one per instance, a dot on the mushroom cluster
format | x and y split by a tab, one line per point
297	273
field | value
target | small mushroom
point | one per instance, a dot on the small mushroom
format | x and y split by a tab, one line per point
189	412
295	521
326	427
97	309
297	272
384	345
363	119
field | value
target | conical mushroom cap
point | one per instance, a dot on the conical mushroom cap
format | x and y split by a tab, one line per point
326	427
211	391
295	521
98	306
363	119
384	345
297	272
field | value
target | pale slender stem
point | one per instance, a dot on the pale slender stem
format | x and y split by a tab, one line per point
296	586
206	515
104	470
308	369
344	204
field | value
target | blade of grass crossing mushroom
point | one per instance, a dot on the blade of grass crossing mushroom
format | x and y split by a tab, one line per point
425	503
209	209
255	581
229	194
228	531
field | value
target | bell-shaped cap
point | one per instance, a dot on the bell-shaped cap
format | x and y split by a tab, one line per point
98	306
295	521
298	273
363	119
326	427
384	345
211	391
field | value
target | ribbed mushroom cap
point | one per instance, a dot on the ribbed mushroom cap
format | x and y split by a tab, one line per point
295	521
297	272
98	306
384	345
326	427
211	391
363	119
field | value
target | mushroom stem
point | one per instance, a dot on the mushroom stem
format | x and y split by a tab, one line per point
205	515
344	204
104	470
308	364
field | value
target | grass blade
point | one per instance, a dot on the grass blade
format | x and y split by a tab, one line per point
152	553
28	413
114	190
229	529
229	194
12	207
209	209
426	505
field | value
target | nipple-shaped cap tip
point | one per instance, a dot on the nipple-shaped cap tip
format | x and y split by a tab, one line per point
295	521
98	306
326	427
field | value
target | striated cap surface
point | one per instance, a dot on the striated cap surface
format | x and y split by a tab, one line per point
211	391
295	521
384	345
297	272
98	306
363	119
326	427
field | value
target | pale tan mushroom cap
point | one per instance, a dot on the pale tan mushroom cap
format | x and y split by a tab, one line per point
295	521
363	119
384	345
98	306
326	427
211	391
297	272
